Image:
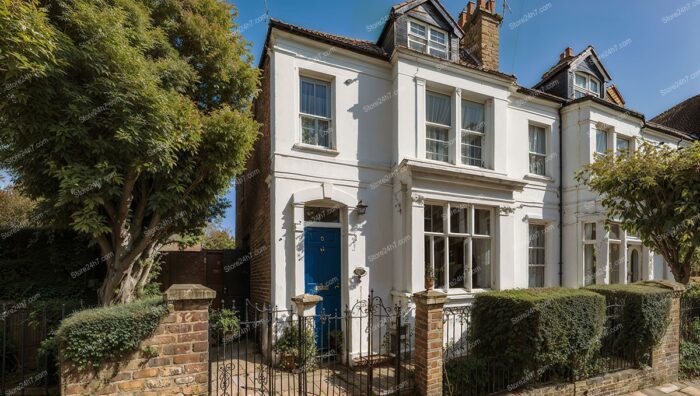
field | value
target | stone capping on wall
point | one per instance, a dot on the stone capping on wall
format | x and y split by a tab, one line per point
181	364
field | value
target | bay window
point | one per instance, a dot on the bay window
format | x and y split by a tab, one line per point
538	150
473	133
536	255
589	253
623	145
315	113
458	245
427	39
601	141
438	124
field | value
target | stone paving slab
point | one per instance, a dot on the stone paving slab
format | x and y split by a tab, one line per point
681	388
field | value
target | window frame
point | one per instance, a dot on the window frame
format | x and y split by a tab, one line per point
587	89
445	128
427	41
533	153
542	265
619	138
469	237
316	118
607	141
614	242
466	132
590	242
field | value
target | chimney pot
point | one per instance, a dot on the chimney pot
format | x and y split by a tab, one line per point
471	7
482	3
569	52
492	6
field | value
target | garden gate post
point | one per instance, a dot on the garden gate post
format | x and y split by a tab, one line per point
429	340
305	305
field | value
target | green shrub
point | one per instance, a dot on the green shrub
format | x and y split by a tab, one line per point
644	318
690	359
529	330
288	347
224	323
91	337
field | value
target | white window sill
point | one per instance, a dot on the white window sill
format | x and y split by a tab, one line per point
314	149
541	178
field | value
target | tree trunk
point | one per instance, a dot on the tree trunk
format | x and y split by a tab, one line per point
121	287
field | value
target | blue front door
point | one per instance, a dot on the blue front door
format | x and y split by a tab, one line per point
322	276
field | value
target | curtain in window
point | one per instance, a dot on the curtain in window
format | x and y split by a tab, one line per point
307	97
538	142
322	101
472	116
438	109
601	142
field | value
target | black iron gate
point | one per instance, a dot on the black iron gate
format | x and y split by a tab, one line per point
365	350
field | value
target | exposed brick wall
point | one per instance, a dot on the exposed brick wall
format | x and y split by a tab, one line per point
181	366
481	36
429	333
253	200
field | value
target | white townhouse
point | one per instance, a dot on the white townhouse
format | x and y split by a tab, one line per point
382	161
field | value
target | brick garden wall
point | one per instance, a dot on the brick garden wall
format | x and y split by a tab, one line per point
182	362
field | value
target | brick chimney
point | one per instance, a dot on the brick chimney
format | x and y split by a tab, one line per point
568	53
480	24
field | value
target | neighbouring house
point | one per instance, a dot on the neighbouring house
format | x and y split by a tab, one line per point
381	161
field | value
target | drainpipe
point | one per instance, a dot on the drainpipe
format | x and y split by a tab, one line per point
561	197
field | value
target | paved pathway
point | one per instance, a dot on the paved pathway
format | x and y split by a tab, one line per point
681	388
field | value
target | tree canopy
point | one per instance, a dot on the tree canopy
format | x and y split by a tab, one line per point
126	119
655	192
216	237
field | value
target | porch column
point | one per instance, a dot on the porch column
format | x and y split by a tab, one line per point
428	355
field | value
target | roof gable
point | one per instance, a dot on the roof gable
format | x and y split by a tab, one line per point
429	5
587	55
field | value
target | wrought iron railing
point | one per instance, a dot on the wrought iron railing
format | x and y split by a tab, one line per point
365	350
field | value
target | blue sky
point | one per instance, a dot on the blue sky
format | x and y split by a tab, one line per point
651	48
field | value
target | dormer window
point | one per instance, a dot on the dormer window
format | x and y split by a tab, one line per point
585	84
427	39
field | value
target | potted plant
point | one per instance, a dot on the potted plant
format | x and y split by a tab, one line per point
290	349
336	341
224	324
429	277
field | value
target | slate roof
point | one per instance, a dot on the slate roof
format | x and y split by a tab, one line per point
684	116
362	46
566	62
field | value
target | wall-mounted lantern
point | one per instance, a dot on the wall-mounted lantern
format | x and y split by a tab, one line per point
361	208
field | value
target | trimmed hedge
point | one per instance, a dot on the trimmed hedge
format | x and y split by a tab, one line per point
91	337
644	318
528	330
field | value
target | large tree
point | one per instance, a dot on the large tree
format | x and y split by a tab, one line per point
126	119
654	191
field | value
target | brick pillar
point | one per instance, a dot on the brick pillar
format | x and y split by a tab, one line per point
428	354
181	361
665	357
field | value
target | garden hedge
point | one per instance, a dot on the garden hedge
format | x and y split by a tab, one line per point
554	328
91	337
644	318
